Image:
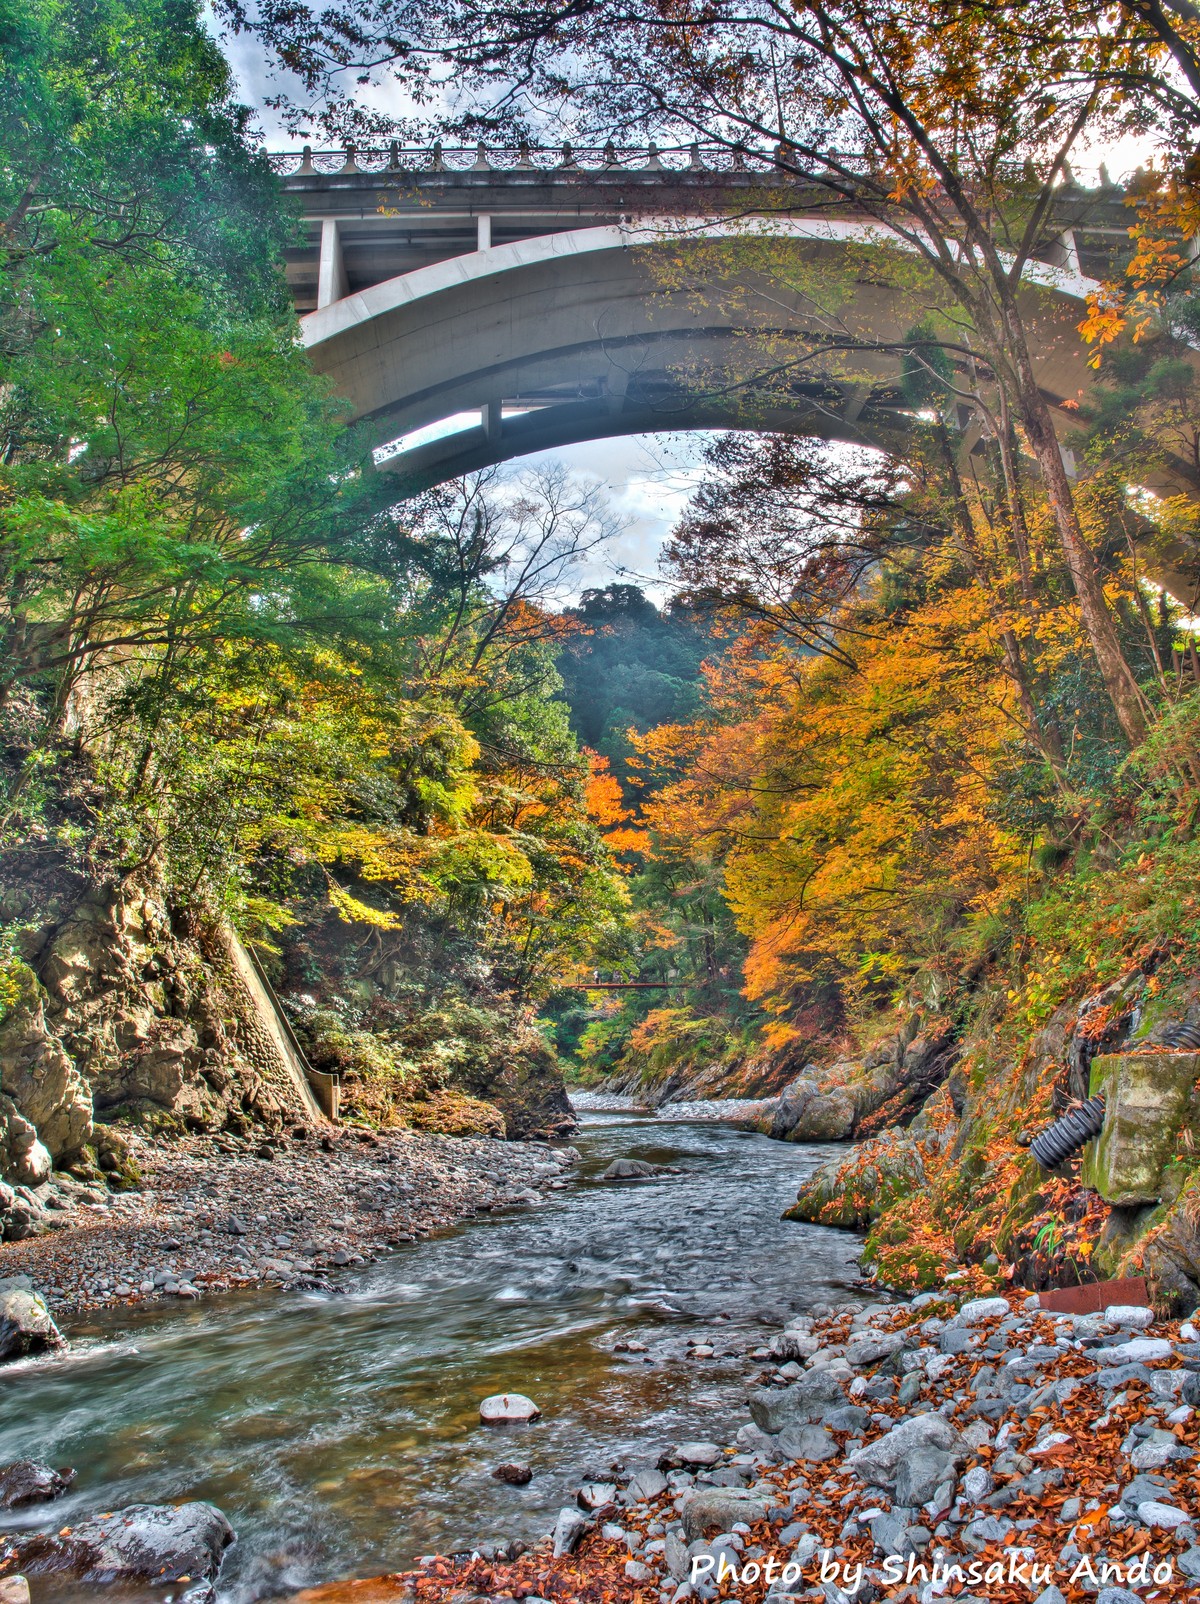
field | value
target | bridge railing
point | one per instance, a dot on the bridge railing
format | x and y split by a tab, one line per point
777	163
565	158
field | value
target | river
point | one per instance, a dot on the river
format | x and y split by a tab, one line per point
340	1432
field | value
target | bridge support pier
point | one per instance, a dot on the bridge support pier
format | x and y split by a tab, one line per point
331	272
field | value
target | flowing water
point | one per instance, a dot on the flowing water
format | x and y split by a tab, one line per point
340	1433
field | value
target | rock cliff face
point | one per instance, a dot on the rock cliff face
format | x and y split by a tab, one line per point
860	1097
116	1010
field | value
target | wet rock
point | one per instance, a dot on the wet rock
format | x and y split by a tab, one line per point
630	1169
25	1324
503	1407
647	1484
594	1495
145	1542
26	1482
568	1529
693	1455
718	1509
515	1474
14	1590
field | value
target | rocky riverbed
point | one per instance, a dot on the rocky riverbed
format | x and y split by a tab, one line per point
991	1452
213	1214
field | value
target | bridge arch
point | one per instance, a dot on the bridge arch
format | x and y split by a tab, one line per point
571	336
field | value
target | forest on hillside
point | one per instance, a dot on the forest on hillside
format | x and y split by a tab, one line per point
911	748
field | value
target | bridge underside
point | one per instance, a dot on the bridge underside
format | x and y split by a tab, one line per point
608	331
612	330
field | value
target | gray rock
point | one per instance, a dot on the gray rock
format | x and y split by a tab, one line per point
692	1454
26	1482
647	1484
806	1400
1140	1350
25	1325
675	1554
1117	1595
910	1389
977	1534
568	1529
954	1341
980	1309
145	1542
931	1436
630	1169
717	1509
850	1418
869	1350
594	1495
507	1407
977	1484
806	1442
1162	1517
920	1474
1189	1563
1050	1595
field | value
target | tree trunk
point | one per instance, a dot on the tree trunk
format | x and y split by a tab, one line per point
1116	673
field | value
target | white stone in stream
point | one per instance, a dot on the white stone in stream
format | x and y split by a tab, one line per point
15	1590
508	1406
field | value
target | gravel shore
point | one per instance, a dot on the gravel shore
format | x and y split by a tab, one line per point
217	1213
992	1453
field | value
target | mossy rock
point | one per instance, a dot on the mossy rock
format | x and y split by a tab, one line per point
149	1118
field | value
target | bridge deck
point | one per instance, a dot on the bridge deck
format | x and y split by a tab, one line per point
375	215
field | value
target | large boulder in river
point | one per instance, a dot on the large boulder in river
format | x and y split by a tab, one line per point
157	1543
632	1169
807	1113
25	1323
25	1482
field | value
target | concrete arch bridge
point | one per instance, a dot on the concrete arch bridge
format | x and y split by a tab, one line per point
525	290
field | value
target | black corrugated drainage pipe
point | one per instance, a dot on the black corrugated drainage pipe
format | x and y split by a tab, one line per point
1058	1142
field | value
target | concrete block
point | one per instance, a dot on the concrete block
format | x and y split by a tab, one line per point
1146	1103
